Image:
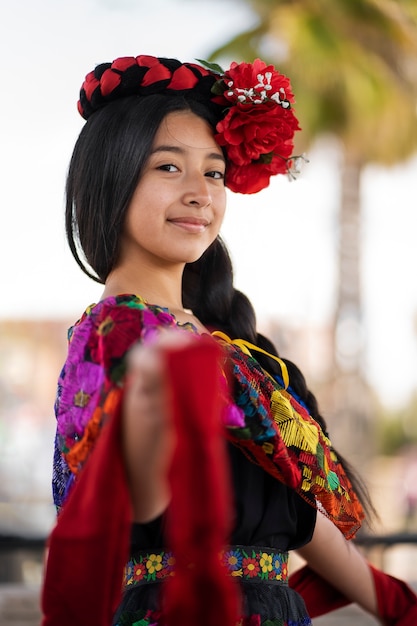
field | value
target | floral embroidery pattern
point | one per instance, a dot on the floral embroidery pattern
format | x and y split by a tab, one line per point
265	420
148	567
281	436
244	563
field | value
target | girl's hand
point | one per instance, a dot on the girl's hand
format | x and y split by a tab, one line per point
147	434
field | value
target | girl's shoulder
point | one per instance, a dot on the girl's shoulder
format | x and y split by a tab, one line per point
93	375
125	307
126	314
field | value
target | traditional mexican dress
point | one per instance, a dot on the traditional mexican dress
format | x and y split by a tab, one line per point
282	466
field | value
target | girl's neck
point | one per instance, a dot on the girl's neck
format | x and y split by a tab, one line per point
161	288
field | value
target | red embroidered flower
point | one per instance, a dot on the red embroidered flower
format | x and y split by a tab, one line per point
139	571
250	567
163	573
117	329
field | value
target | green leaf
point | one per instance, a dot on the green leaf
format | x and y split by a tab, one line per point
266	158
213	67
218	88
333	480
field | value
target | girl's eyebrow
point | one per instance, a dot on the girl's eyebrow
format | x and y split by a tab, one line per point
178	150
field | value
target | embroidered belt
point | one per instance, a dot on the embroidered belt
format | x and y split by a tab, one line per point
249	563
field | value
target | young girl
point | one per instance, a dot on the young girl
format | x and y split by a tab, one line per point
177	421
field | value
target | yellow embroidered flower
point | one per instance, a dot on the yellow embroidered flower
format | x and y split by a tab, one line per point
106	326
81	399
266	562
154	563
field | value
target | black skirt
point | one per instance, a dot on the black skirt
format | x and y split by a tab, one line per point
260	572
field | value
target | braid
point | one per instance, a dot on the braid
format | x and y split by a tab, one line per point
143	76
208	291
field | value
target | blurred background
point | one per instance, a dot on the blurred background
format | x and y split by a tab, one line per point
328	260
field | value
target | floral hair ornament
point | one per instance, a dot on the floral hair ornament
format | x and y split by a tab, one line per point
251	101
258	128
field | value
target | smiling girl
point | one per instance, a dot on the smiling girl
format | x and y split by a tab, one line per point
189	458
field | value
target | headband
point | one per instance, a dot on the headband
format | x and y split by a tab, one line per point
252	102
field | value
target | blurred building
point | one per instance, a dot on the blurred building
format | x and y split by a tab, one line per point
31	356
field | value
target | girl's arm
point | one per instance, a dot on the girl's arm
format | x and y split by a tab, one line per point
340	563
337	574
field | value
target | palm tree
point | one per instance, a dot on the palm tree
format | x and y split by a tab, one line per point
353	67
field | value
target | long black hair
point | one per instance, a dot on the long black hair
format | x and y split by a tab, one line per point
105	168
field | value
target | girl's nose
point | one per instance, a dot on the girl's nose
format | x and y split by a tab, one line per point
197	192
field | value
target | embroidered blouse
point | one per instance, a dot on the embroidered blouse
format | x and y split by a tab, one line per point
264	419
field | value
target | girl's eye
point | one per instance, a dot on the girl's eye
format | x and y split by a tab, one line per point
168	167
216	174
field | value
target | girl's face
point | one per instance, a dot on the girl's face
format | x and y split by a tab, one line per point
178	206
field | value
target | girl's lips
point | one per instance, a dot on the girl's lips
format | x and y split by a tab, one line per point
190	224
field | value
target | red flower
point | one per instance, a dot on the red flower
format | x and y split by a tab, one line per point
139	571
253	177
251	131
117	330
258	129
256	81
250	567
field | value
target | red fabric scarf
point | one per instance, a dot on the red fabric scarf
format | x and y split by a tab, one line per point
89	546
200	515
397	603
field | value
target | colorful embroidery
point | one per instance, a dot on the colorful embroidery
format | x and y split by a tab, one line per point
281	436
242	562
265	420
